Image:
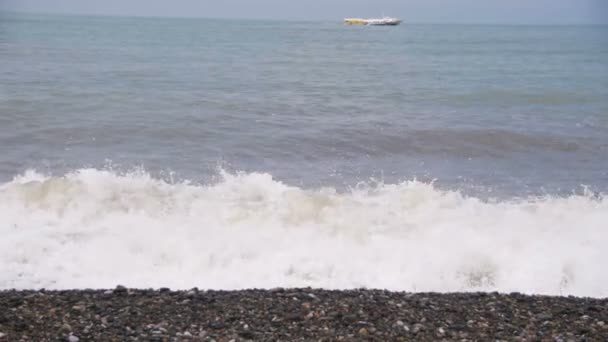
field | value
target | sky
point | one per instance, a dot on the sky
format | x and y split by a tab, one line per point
419	11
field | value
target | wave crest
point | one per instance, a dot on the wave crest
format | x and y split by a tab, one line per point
94	228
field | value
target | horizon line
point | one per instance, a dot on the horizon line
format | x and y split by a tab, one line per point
405	21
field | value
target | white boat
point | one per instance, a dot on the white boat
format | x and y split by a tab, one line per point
385	21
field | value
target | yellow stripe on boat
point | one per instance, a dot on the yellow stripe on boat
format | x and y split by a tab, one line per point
355	21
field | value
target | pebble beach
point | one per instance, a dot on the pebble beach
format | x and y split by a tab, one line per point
123	314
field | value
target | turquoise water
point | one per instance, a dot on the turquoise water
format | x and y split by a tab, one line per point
516	110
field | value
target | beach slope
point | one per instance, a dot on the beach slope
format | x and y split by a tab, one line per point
124	314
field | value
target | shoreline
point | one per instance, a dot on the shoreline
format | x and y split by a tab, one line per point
307	314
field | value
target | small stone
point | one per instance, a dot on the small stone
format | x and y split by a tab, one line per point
66	328
600	323
187	334
544	316
2	334
78	307
417	327
73	338
399	323
19	324
363	332
120	289
247	334
293	317
441	331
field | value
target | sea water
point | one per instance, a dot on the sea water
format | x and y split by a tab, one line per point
231	154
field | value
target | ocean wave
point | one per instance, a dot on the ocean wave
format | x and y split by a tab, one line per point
98	228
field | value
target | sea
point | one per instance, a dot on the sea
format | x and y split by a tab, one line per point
231	154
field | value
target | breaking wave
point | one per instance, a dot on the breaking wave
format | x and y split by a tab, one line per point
96	229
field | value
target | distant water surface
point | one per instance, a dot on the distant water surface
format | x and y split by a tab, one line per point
516	109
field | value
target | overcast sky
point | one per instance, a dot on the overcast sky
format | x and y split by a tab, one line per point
425	11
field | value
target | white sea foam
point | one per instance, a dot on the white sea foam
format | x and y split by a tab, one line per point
96	229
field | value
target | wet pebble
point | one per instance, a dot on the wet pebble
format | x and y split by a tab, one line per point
295	314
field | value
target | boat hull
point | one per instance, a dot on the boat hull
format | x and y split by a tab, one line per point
384	22
373	22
